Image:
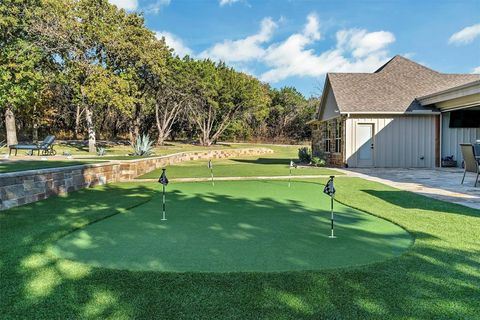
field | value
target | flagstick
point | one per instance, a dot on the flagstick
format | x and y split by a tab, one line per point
290	176
211	172
164	203
331	218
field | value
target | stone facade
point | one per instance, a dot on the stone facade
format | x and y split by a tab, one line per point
325	142
18	188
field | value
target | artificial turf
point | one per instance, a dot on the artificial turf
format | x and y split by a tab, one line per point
266	165
437	278
236	226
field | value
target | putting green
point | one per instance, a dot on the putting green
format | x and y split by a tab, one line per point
236	226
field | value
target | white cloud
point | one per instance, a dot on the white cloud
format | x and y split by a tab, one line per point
128	5
312	28
357	50
363	43
156	6
225	2
175	43
476	70
466	35
245	49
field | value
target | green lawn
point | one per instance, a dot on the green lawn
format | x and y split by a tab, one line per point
245	167
437	278
236	226
270	164
13	166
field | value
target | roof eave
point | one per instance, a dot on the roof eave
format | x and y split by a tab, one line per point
416	112
451	93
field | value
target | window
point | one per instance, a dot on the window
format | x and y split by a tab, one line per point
328	137
338	136
465	119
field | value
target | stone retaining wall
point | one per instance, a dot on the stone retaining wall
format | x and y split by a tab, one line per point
18	188
134	168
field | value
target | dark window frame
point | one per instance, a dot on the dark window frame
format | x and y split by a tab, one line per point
328	137
338	136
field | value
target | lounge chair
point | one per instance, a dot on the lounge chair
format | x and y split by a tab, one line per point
470	162
46	147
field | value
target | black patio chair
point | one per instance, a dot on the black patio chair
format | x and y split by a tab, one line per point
46	147
470	162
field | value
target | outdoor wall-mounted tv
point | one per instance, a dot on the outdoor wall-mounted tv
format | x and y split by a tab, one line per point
465	119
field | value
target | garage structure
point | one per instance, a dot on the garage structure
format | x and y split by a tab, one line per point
398	116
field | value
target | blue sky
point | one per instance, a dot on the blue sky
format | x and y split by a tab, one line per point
295	42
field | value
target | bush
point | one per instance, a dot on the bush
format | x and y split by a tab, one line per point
318	162
305	155
142	146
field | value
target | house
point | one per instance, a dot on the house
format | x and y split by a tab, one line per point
402	115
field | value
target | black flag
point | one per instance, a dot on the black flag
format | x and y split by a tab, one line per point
329	187
163	178
164	181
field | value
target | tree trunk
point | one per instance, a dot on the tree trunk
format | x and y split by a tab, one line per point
35	131
77	123
135	129
35	125
10	126
91	130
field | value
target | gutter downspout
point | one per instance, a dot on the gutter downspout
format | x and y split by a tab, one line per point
440	138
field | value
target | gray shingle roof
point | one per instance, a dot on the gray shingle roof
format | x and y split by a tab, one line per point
392	88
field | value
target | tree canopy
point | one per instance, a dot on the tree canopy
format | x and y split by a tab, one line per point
85	68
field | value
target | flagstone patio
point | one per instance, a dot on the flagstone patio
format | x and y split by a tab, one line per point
441	183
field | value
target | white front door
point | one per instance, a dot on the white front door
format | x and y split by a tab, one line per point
364	144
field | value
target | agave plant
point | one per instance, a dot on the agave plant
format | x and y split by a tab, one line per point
143	146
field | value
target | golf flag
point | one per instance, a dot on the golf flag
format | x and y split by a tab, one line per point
330	190
329	187
163	178
292	165
210	166
164	181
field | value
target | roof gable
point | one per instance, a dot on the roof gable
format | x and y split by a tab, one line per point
328	105
393	88
401	64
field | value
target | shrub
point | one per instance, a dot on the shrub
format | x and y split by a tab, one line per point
142	146
305	155
318	162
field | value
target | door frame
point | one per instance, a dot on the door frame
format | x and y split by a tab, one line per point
357	148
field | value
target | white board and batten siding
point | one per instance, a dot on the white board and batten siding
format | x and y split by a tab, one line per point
399	141
452	137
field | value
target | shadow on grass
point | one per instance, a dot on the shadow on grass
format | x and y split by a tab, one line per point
409	200
263	161
432	281
265	234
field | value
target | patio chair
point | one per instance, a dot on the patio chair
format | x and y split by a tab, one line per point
471	164
46	147
476	149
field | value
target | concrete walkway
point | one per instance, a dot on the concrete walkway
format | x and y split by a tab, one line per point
441	183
